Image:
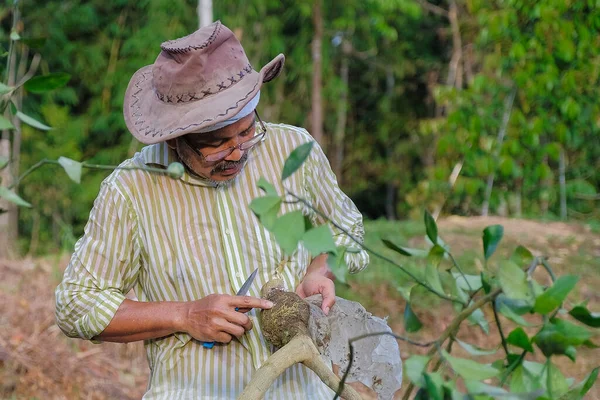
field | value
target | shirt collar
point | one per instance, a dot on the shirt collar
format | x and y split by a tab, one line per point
160	155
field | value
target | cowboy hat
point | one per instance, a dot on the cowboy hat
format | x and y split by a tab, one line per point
196	81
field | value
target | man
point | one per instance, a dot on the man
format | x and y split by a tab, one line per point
187	245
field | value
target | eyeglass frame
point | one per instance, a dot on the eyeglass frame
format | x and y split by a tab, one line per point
260	137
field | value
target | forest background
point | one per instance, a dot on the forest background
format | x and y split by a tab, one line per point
459	107
462	107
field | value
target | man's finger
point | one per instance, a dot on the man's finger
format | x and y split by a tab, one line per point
328	293
249	302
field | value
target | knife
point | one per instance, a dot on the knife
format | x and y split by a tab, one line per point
243	290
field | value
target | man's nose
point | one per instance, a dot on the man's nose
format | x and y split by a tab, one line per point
235	155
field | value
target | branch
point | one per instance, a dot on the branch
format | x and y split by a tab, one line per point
433	8
359	242
502	338
464	314
300	349
35	62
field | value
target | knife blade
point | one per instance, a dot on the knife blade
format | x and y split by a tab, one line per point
243	290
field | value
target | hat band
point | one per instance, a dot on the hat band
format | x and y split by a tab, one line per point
188	97
248	108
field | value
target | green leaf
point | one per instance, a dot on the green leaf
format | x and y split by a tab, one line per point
436	254
296	159
288	230
476	387
5	123
485	282
411	321
319	240
519	338
578	391
470	370
32	121
582	314
556	338
430	227
474	350
491	237
405	251
466	281
11	196
3	162
522	256
555	295
478	317
511	310
267	187
46	83
34	42
261	205
72	168
266	209
559	384
337	264
432	277
513	281
414	368
433	383
5	89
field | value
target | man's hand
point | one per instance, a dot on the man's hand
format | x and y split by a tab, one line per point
214	319
317	281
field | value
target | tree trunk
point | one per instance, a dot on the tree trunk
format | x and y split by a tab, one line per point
508	105
317	103
205	12
9	219
563	185
342	114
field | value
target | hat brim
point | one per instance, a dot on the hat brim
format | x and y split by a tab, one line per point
151	120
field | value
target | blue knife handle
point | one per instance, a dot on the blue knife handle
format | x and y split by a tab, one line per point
210	345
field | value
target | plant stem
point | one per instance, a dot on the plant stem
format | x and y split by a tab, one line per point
512	367
464	314
502	338
84	165
459	270
549	378
359	242
30	170
548	268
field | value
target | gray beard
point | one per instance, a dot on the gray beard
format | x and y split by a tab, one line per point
214	183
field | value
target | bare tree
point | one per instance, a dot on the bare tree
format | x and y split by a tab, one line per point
317	78
205	12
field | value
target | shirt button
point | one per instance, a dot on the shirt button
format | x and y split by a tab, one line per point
237	274
227	232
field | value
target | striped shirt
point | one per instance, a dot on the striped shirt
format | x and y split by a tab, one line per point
184	239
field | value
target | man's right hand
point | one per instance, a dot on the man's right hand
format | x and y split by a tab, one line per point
214	319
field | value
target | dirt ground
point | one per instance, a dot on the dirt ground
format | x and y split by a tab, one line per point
38	362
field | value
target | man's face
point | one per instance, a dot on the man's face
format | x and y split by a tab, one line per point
194	149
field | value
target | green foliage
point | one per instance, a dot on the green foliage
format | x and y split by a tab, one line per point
295	160
509	287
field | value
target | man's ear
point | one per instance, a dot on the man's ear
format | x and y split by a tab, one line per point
172	143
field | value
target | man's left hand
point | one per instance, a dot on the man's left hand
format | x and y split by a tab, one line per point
316	281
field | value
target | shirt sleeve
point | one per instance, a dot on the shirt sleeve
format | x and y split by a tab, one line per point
103	268
327	197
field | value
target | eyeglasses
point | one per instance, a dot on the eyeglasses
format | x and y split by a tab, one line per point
258	137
